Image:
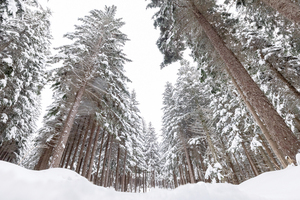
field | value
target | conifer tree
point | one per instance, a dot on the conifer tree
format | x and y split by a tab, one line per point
24	48
94	62
174	26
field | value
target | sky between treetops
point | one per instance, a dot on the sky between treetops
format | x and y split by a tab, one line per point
147	78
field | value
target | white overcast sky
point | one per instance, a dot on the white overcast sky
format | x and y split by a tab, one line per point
147	78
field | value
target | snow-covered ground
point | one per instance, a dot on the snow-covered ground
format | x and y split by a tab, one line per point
17	183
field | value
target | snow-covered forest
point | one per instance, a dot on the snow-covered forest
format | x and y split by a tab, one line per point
232	115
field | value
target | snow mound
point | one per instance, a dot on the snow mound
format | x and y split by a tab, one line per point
17	183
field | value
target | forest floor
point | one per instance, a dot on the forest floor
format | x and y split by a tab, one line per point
17	183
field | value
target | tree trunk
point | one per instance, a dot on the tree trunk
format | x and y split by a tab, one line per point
269	152
276	126
267	160
104	160
175	180
88	150
61	143
98	166
286	8
124	172
108	163
117	169
253	167
88	176
135	179
187	158
71	150
263	128
80	157
79	133
230	164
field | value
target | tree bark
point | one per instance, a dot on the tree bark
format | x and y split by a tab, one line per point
253	167
66	151
80	157
104	160
175	180
60	146
88	150
124	172
276	126
79	133
108	163
98	166
88	176
286	8
117	169
187	158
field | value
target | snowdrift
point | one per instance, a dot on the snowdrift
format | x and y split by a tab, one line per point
17	183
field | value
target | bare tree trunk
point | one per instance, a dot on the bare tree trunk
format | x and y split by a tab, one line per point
124	172
183	182
135	179
175	179
80	157
276	126
66	151
88	150
108	163
60	146
230	164
269	152
79	133
117	169
253	167
287	8
187	158
98	166
104	160
88	176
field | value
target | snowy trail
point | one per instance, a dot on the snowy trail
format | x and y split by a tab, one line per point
17	183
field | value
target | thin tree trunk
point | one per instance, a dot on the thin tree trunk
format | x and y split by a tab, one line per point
66	151
276	126
88	150
117	169
60	146
108	163
124	172
98	166
267	160
253	167
175	179
104	160
135	179
230	164
80	157
187	158
286	8
68	156
269	152
79	133
88	176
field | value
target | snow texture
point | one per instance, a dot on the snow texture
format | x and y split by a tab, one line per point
55	184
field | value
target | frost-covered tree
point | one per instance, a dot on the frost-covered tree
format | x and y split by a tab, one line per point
178	30
24	48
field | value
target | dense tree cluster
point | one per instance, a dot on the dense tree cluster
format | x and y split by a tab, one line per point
232	114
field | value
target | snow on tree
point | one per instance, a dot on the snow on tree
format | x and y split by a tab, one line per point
24	50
